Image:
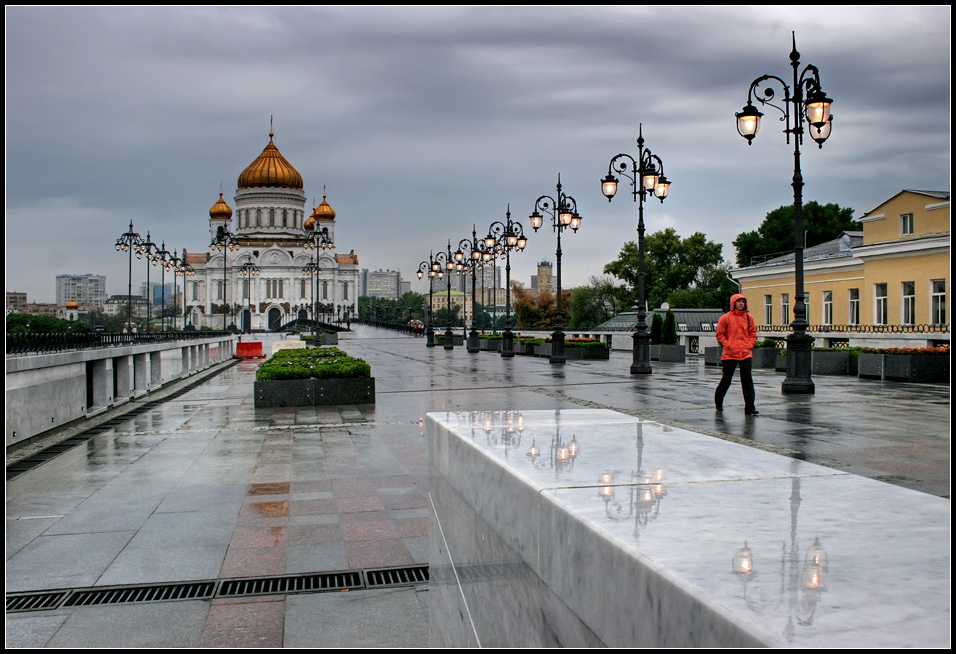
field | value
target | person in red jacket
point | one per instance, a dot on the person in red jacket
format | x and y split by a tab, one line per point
737	334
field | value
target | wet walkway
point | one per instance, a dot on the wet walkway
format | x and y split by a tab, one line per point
206	487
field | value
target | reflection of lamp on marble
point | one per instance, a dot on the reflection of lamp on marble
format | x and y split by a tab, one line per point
561	454
644	490
744	562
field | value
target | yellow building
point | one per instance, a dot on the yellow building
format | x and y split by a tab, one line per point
458	299
887	285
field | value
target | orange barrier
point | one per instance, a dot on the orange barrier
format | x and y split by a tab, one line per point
251	350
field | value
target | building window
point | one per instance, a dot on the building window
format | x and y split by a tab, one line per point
302	288
908	303
854	304
345	290
220	287
827	307
906	224
274	289
938	302
195	291
768	309
880	309
784	308
325	290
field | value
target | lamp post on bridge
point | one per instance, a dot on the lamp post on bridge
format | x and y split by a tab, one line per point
224	241
426	267
128	242
468	257
247	271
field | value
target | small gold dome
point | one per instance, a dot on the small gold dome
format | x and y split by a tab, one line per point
324	211
72	304
220	210
270	169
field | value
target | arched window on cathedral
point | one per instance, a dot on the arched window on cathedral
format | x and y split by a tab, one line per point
272	217
325	290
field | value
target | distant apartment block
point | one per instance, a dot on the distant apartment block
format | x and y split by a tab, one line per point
86	290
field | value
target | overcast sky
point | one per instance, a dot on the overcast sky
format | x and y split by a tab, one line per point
422	121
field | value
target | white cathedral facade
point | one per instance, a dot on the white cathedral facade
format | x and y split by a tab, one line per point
273	263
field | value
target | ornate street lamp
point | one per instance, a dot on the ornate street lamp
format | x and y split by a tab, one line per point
180	268
445	259
161	259
647	177
426	267
224	241
129	242
563	210
468	258
312	271
804	100
146	248
248	270
505	237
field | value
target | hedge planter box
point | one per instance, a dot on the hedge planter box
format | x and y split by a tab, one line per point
574	353
314	392
668	353
455	339
833	363
493	345
712	355
921	368
544	350
765	357
329	339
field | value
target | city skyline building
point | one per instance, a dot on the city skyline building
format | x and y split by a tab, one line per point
87	290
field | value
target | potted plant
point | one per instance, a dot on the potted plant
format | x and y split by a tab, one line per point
668	348
585	348
765	354
313	377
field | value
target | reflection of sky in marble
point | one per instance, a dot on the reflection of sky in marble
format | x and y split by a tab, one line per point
688	503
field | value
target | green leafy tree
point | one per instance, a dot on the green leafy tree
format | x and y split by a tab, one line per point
672	265
536	310
597	302
821	222
24	322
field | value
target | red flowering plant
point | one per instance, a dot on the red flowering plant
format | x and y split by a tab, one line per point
931	351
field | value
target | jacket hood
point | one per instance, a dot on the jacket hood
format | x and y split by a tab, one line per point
735	297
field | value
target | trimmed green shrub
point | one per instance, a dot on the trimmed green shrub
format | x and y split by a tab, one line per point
657	328
669	331
319	363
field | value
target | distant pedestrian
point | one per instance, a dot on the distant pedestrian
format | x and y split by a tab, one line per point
737	334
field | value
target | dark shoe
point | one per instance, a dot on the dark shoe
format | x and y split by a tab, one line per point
752	412
719	408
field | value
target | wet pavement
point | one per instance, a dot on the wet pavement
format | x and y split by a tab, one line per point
206	487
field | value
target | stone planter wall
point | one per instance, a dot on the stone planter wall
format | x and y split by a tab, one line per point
314	392
712	355
586	353
833	363
328	339
765	357
904	367
668	353
543	350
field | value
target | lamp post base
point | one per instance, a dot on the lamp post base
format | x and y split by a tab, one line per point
641	362
429	337
449	339
508	343
473	341
557	347
798	380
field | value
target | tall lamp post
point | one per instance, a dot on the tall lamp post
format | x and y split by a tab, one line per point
129	242
425	268
311	270
563	210
804	100
646	175
146	248
248	270
468	257
224	241
161	258
507	236
444	260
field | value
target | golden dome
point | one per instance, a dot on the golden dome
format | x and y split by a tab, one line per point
220	210
324	211
72	304
270	169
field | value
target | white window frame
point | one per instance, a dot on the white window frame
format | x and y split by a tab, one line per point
937	301
853	306
907	224
907	303
768	309
880	304
785	308
827	307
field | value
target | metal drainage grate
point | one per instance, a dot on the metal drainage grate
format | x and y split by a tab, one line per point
128	594
34	601
397	576
299	584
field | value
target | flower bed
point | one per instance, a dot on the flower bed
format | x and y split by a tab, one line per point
585	348
312	377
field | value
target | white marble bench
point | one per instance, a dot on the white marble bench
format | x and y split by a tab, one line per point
594	528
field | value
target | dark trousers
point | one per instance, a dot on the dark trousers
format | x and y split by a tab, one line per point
746	382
